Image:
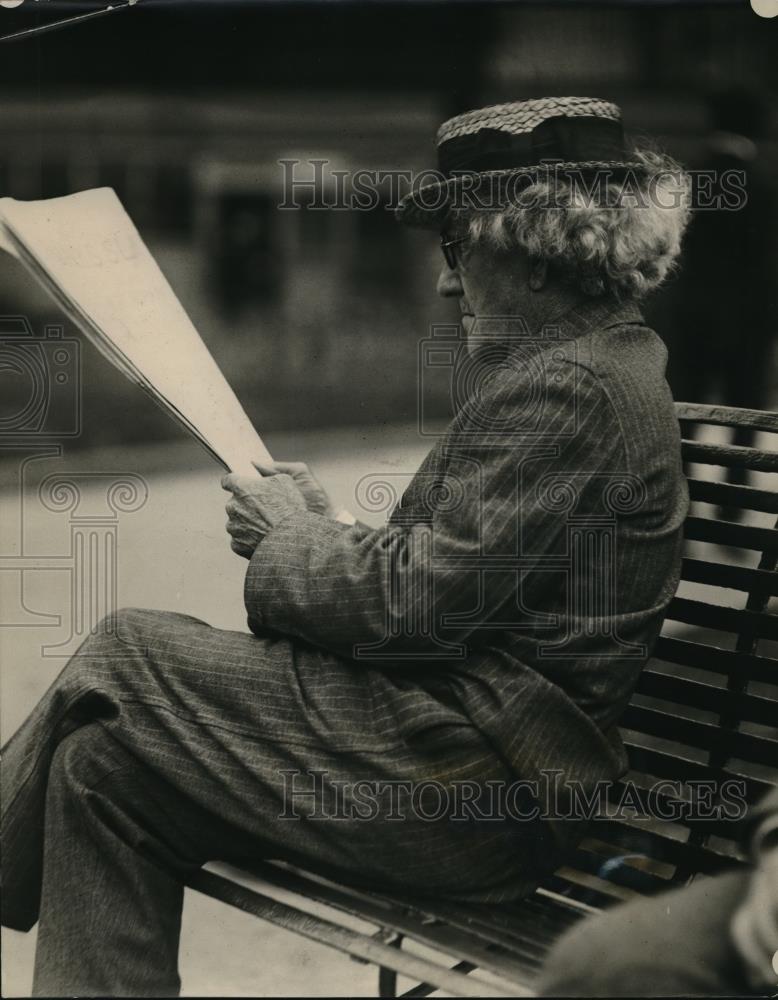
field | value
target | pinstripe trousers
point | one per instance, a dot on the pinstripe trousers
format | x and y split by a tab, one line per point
165	743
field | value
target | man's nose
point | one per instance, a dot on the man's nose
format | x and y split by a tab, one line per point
449	284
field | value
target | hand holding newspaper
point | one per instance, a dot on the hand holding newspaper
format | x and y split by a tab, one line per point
87	254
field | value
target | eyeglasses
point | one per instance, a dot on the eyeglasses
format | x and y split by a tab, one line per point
447	246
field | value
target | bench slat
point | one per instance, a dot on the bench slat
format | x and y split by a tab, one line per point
589	888
643	791
642	784
704	735
743	578
731	456
727	416
708	697
742	536
400	917
522	928
724	619
730	495
680	766
670	649
345	940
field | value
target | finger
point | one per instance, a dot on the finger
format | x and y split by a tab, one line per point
240	485
291	468
285	479
264	469
231	481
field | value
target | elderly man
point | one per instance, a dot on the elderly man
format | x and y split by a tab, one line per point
490	633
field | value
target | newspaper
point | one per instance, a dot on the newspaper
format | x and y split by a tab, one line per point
87	254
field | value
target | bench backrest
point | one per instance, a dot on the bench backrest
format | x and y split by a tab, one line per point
706	707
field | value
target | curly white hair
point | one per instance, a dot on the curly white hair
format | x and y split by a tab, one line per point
621	236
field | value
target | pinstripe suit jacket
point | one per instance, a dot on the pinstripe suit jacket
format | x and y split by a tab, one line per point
522	579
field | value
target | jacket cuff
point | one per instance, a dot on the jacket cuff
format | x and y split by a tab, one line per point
284	550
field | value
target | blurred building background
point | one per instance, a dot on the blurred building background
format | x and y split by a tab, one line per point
315	316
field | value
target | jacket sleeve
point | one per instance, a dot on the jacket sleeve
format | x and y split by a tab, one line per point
423	591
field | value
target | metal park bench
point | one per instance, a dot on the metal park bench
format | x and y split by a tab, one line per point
706	709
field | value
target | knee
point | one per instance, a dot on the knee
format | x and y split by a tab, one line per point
126	624
108	658
125	636
140	626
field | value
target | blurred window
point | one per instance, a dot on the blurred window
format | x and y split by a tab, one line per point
114	174
247	266
380	257
173	200
55	179
315	229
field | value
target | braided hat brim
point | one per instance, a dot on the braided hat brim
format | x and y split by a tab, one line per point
428	206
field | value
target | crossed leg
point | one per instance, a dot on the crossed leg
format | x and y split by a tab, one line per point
164	744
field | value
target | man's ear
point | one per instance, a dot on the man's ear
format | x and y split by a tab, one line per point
538	270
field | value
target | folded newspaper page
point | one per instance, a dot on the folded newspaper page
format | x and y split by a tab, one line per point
87	254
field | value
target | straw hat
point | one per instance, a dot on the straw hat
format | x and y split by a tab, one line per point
486	154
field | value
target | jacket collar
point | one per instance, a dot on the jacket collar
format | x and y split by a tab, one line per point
598	313
571	323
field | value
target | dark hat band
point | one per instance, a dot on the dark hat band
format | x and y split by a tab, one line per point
570	139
